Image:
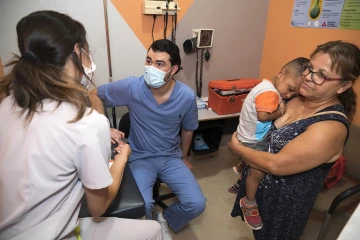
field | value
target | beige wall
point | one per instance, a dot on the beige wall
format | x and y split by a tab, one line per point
238	36
238	39
91	15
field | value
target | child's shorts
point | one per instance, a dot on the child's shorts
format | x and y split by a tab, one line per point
261	145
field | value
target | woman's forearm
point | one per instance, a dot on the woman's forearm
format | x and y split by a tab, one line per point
320	143
116	171
255	159
263	161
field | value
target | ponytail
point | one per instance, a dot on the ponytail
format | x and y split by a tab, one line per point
46	41
32	81
348	100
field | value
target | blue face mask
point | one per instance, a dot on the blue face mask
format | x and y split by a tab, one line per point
155	77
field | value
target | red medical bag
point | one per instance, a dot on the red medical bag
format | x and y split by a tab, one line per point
227	96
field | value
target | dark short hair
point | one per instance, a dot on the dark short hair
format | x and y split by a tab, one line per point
294	65
164	45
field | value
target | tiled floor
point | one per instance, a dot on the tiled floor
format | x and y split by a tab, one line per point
215	175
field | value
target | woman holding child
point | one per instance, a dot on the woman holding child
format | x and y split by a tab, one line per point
304	143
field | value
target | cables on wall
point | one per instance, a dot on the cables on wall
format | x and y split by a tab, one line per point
174	23
166	18
152	31
198	77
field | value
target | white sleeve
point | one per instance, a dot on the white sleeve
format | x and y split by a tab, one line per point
93	152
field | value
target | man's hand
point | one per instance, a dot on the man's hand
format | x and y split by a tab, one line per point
116	135
187	162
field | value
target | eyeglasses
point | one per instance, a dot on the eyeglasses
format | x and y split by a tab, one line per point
316	77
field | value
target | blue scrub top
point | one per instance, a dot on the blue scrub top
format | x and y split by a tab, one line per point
154	128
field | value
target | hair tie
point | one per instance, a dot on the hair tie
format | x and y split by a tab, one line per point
29	56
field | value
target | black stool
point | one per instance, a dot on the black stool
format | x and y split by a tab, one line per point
160	198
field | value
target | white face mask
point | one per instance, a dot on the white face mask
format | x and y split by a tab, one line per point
88	71
155	77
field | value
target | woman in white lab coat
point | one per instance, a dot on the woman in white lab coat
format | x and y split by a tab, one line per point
53	147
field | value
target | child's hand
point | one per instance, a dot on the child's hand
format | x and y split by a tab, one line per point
282	106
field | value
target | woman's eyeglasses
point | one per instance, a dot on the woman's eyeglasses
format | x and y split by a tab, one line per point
316	77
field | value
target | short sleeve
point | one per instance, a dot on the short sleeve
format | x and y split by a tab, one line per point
191	119
93	153
115	93
267	102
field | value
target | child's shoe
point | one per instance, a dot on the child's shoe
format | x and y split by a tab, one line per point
251	214
234	188
238	168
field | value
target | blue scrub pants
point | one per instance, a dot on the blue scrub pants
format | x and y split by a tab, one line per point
178	177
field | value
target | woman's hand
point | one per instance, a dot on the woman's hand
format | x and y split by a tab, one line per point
116	135
123	152
234	144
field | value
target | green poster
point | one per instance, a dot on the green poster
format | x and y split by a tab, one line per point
350	16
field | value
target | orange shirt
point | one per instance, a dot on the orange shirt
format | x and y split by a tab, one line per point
267	101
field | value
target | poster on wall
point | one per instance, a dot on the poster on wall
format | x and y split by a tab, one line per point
338	14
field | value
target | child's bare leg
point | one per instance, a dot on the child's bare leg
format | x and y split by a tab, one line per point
252	183
237	169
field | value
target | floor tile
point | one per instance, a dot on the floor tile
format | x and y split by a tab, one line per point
224	151
230	160
215	176
240	237
198	176
216	223
221	185
212	197
337	222
312	230
230	203
213	168
189	233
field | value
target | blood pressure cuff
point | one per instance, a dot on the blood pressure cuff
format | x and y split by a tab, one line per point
190	45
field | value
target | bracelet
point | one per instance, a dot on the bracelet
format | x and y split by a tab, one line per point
282	113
